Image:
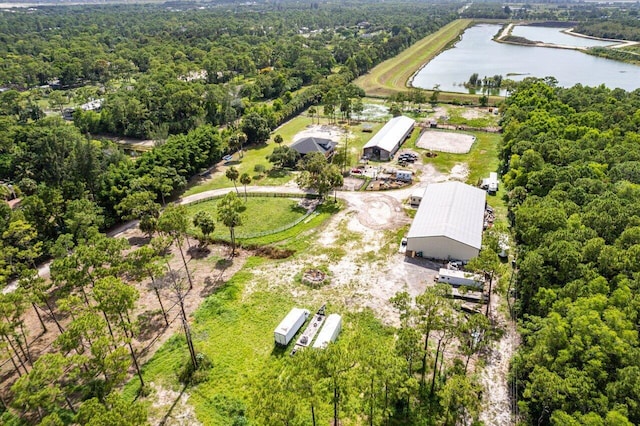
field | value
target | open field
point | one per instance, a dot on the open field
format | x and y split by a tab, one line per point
273	214
393	75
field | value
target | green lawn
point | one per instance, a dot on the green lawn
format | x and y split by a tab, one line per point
261	214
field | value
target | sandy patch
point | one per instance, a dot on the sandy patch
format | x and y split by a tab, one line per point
457	143
174	408
335	133
459	172
497	401
472	113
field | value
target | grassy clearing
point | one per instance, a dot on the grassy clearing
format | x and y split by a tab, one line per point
294	238
255	155
234	329
259	215
456	116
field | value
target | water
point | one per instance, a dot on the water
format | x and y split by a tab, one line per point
476	52
555	36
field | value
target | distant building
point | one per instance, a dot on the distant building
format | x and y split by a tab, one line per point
448	223
384	144
94	105
308	145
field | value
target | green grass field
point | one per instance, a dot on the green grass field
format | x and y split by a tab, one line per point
234	329
260	214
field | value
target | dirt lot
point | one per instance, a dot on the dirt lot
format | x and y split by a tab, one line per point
457	143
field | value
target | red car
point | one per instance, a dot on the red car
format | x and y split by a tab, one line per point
356	171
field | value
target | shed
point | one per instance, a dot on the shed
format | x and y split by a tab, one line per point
448	223
384	144
305	146
416	196
329	332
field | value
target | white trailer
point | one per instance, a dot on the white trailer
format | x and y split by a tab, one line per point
458	278
493	183
290	325
330	330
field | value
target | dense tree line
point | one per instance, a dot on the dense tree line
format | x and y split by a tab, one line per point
571	161
620	28
162	70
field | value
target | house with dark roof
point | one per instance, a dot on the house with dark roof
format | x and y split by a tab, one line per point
307	145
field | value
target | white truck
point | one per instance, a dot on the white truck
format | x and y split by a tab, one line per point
458	278
290	325
329	332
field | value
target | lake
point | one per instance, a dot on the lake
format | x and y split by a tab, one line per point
476	52
556	36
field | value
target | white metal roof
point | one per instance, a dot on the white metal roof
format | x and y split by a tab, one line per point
328	332
391	133
451	209
289	321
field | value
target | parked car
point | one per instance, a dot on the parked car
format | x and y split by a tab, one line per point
356	171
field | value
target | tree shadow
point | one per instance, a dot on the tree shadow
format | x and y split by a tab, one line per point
197	252
277	173
150	323
173	406
215	281
223	264
138	241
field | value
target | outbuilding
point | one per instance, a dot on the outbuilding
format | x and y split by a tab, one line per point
305	146
448	223
416	197
384	144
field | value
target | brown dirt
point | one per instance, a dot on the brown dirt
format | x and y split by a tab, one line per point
153	331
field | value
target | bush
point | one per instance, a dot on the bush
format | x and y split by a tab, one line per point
189	375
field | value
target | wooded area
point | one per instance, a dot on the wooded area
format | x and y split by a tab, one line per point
572	167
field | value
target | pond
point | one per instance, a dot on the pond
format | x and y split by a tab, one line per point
476	52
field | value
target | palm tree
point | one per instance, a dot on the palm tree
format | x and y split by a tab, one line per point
312	112
245	179
229	214
233	174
